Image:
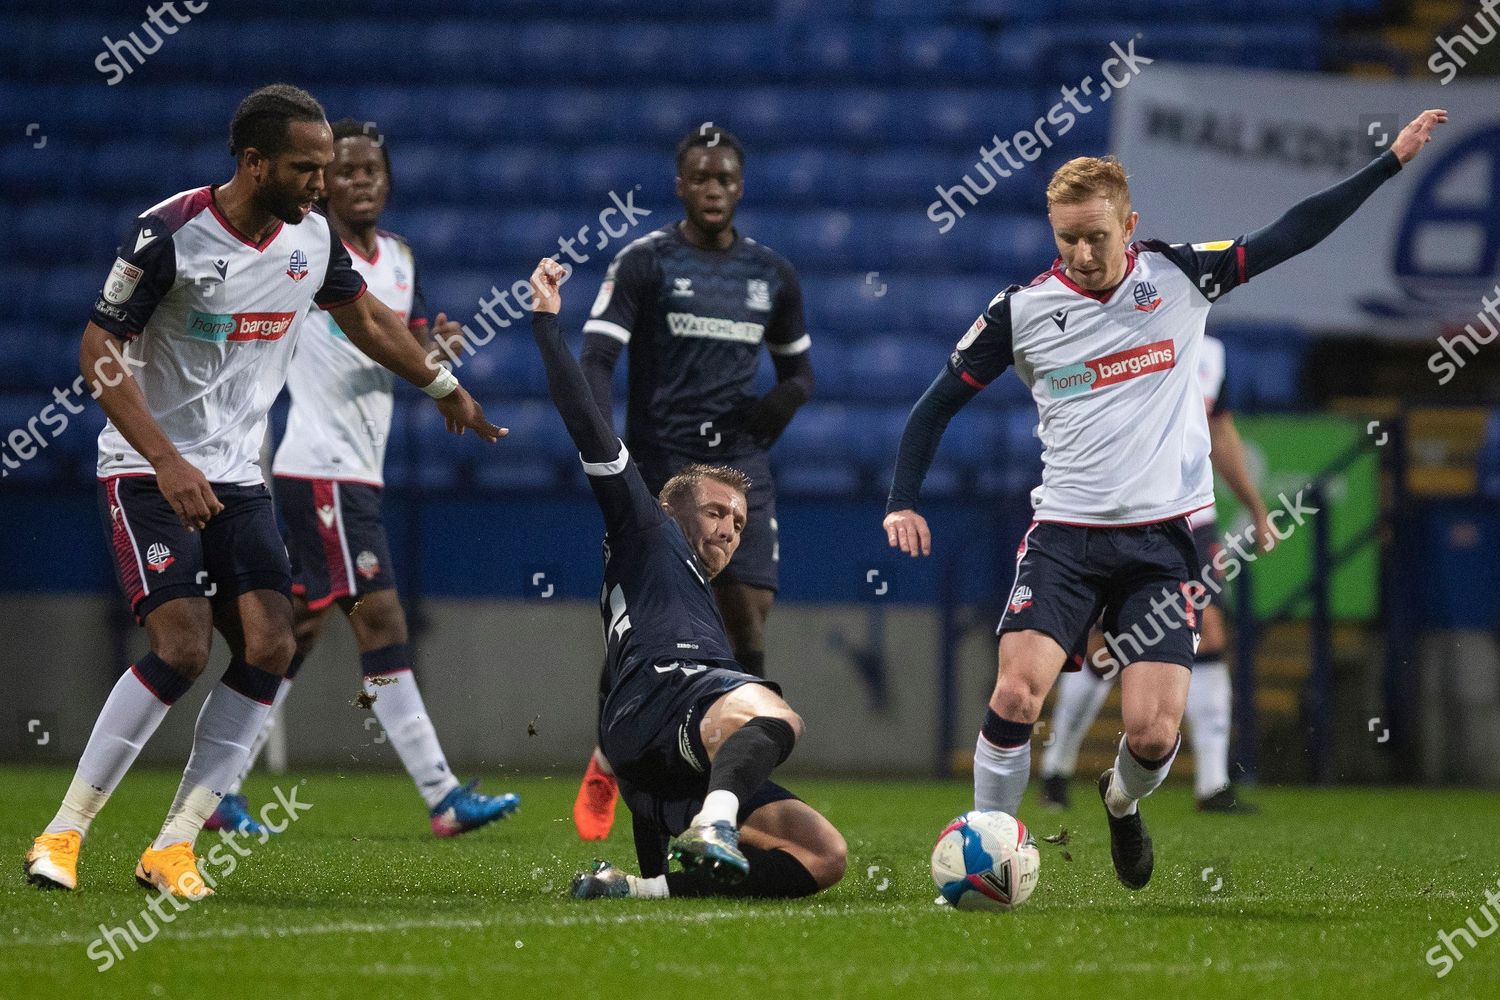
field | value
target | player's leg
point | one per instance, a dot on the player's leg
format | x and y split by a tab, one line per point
746	733
157	563
1051	607
1152	698
380	633
747	587
745	609
1211	693
1080	696
234	812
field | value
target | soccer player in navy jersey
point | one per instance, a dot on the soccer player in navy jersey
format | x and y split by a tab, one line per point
1108	341
692	737
693	302
329	471
201	309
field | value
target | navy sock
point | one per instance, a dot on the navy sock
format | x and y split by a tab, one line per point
385	660
1003	733
773	875
749	756
295	666
251	681
161	679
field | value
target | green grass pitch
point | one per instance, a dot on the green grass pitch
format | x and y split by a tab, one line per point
1337	893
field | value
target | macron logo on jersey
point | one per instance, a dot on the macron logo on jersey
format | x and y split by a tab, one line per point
1110	369
219	328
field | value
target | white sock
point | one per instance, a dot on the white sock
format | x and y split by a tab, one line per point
191	808
259	743
1132	782
1080	696
221	744
1000	775
129	716
1208	708
647	888
399	707
719	806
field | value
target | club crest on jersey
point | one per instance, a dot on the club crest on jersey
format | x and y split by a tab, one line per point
1146	299
367	564
297	267
159	557
1020	600
758	295
682	288
400	277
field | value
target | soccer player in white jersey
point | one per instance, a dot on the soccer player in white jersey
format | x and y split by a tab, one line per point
329	477
1081	693
188	345
1107	340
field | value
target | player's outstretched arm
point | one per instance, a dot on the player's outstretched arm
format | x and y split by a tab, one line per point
591	433
120	396
1311	220
385	339
905	529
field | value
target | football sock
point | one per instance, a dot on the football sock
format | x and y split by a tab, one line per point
261	737
1134	778
1080	696
743	764
773	875
135	707
1208	704
1002	763
752	661
399	707
235	711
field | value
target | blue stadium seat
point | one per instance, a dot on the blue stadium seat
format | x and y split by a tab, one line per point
535	454
816	454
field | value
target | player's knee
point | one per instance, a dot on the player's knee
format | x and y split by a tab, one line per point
830	860
188	654
1153	739
1016	700
271	649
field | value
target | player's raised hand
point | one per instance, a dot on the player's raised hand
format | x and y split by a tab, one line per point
446	333
1417	134
907	530
189	493
546	286
461	410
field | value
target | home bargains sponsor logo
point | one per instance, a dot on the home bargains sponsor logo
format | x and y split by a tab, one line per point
1119	367
219	328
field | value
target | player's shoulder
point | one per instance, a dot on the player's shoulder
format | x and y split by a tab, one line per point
397	243
764	255
643	249
171	214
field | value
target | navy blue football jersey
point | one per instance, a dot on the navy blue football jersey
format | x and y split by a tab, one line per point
694	321
656	601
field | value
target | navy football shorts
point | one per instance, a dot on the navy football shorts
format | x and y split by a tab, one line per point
336	539
756	561
1138	578
157	559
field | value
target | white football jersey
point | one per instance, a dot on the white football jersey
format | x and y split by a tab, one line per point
1211	370
209	320
1115	380
340	416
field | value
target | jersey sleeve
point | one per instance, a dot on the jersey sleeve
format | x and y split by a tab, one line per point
987	349
1221	404
342	284
787	333
417	317
626	503
1213	268
628	285
145	269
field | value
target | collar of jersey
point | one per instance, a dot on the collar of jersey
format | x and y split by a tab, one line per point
213	207
1105	296
356	251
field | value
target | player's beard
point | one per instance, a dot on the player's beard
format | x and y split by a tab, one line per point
285	205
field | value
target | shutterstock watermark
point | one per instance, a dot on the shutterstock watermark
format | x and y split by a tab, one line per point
1170	611
1444	955
1446	59
162	908
619	218
28	440
1489	315
1029	143
112	60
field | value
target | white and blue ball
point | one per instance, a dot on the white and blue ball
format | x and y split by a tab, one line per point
986	861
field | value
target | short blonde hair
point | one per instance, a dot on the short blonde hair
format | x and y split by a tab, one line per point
1085	177
684	485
